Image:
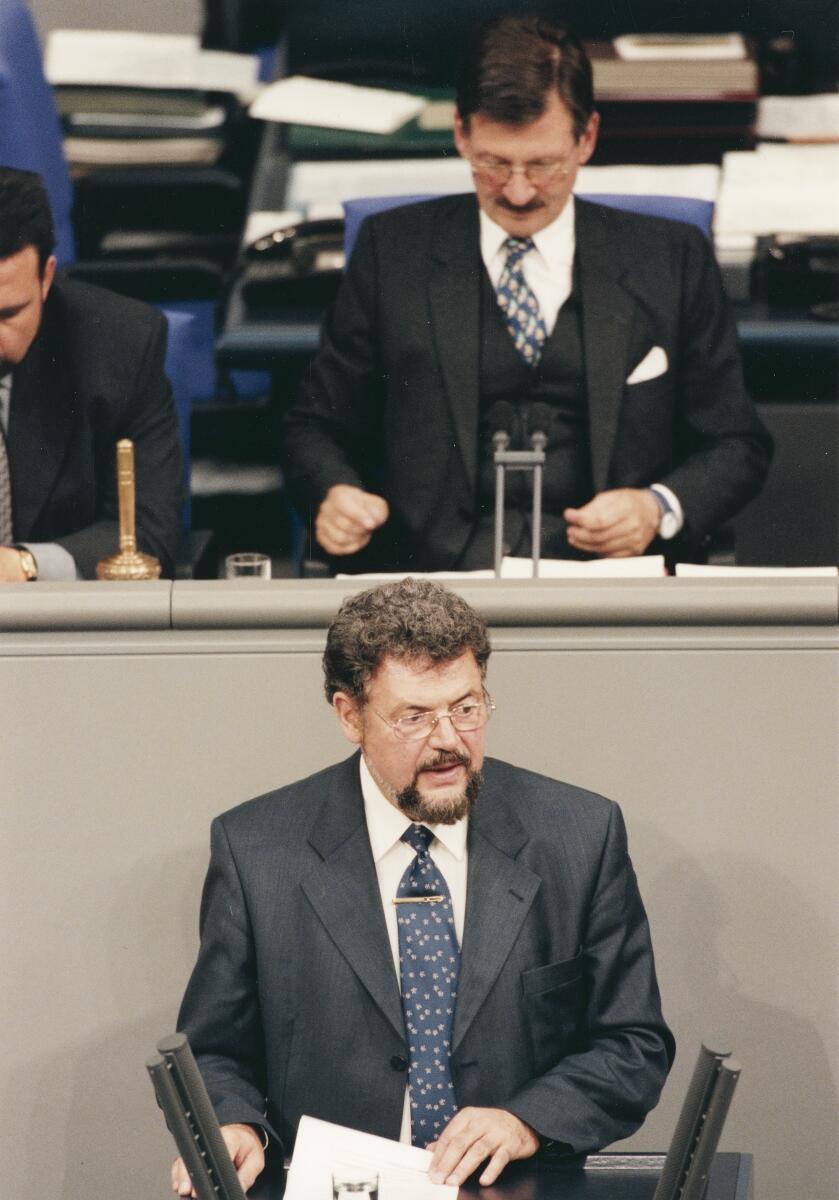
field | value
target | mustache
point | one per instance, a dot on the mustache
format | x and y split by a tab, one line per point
533	205
446	758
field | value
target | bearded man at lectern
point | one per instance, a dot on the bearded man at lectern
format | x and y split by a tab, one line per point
422	942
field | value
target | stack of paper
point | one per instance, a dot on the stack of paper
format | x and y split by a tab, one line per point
141	99
776	189
109	58
299	100
799	118
402	1169
694	182
673	67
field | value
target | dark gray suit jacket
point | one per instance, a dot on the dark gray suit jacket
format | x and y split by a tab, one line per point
294	1005
391	401
94	374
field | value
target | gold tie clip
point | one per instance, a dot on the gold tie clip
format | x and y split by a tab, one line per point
417	899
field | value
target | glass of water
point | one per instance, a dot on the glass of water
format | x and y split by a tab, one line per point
354	1183
247	566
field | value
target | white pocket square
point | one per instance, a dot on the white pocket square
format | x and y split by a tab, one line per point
653	364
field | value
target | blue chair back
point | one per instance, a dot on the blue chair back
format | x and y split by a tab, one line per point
30	132
677	208
180	354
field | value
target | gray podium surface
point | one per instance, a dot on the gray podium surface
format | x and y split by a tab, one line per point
131	716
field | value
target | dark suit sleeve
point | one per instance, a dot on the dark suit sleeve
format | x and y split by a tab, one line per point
604	1090
331	434
220	1012
147	416
722	449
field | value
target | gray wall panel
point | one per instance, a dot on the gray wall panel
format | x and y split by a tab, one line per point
720	745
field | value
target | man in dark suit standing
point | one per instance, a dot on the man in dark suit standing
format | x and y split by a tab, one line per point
422	942
80	368
520	309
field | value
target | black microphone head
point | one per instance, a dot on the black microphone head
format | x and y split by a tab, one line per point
502	417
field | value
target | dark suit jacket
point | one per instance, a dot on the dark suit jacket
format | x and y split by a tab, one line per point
391	401
94	374
295	998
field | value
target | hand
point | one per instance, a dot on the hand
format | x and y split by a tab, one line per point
347	517
10	569
475	1134
615	524
245	1146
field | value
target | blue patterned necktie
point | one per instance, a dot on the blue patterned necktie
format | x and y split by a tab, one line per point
429	962
519	305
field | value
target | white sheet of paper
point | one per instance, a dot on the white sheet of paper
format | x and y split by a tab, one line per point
320	1145
707	571
650	46
299	100
112	58
697	181
328	182
799	116
642	567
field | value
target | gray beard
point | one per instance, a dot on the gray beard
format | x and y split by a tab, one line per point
419	809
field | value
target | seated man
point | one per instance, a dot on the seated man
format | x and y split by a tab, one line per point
522	308
420	911
80	368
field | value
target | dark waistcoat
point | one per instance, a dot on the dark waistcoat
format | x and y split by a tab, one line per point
520	399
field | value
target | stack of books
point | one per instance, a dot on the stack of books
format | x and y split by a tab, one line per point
665	98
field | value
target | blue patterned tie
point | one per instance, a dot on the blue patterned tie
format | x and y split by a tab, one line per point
429	962
519	305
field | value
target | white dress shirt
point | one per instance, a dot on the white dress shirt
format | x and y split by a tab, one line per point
392	856
548	268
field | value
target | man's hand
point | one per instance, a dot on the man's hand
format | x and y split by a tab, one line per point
615	524
10	569
347	518
475	1134
245	1146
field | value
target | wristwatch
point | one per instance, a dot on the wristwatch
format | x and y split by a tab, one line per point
27	563
668	522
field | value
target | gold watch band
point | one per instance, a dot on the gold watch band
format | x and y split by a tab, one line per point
28	564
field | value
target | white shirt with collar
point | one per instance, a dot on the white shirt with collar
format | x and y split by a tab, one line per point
548	268
392	857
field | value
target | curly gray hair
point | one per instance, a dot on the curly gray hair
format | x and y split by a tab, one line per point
410	618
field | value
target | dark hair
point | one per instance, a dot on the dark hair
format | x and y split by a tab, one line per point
514	62
25	215
411	618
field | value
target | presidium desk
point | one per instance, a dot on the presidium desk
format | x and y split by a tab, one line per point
131	714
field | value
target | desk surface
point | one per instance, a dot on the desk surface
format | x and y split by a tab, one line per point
604	1177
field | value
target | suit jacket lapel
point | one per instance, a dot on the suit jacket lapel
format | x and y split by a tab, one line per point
607	311
454	294
499	894
344	892
41	419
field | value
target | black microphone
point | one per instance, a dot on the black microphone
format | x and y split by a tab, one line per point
503	422
539	421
